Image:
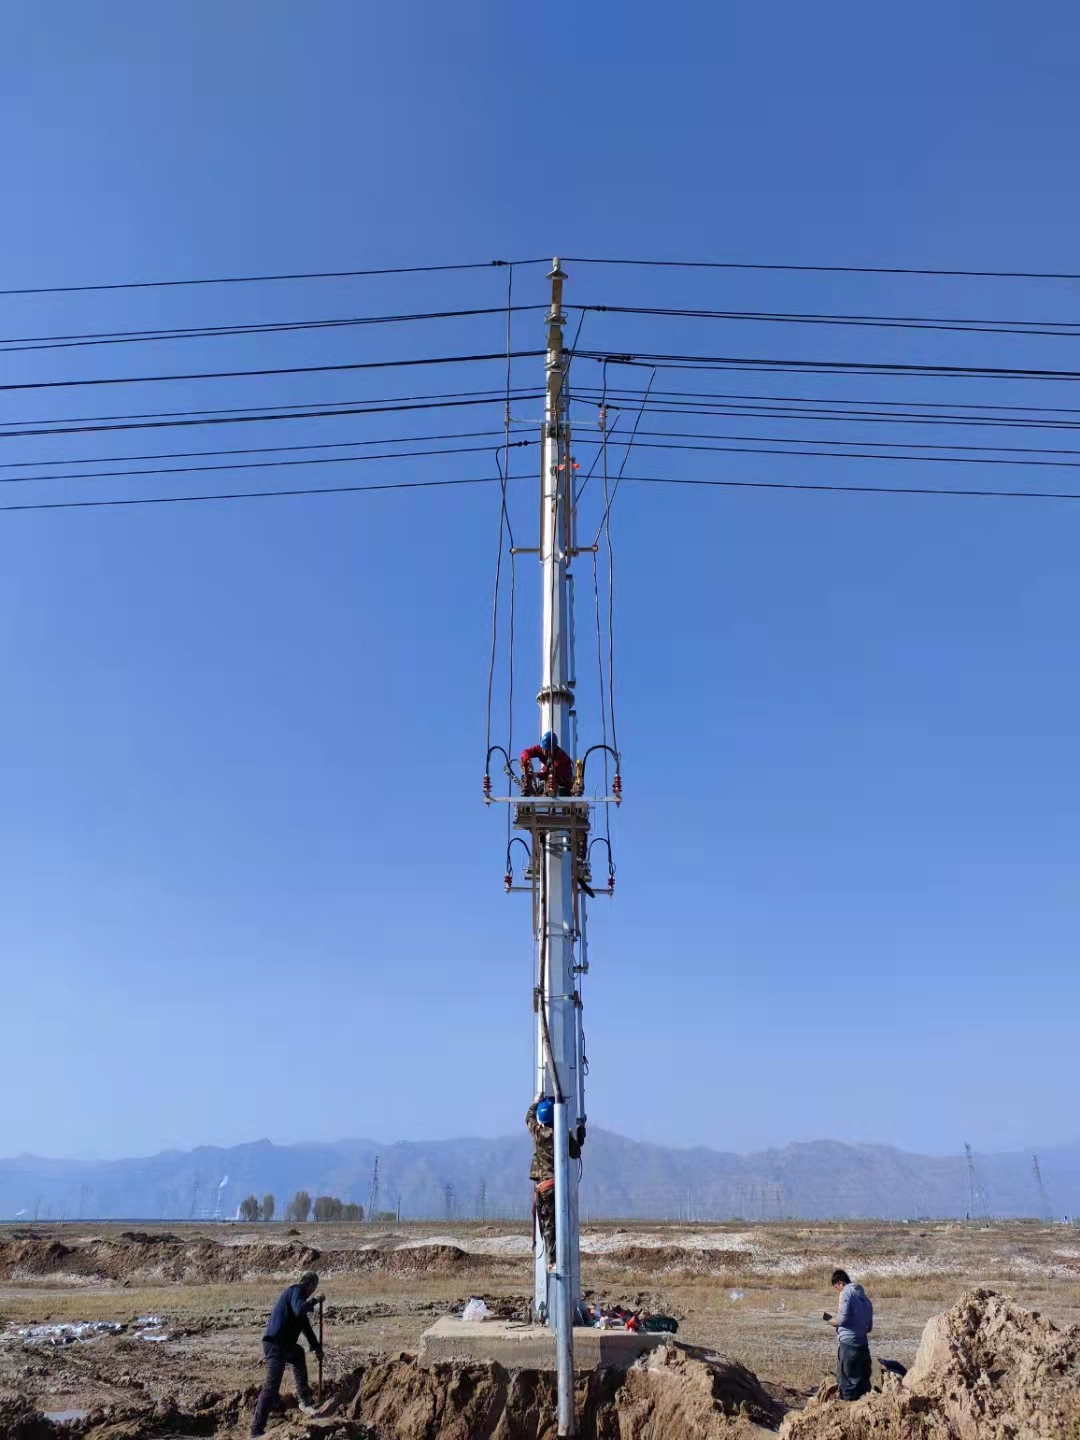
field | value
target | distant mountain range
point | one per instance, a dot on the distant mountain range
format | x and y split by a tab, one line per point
468	1179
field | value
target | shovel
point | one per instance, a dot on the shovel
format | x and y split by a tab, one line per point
320	1349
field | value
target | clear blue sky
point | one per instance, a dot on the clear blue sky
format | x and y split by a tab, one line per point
246	884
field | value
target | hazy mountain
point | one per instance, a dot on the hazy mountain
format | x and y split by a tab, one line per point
622	1178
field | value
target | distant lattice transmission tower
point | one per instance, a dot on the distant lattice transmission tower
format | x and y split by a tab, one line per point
977	1199
373	1193
1045	1210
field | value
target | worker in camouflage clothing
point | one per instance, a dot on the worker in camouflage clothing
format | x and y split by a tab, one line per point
540	1119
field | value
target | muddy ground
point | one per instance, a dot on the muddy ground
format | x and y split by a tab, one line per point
754	1294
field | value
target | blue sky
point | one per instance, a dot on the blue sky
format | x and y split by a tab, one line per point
247	884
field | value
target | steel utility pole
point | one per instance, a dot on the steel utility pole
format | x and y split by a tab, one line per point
557	820
557	1019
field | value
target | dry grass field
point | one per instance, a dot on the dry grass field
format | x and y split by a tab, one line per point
752	1292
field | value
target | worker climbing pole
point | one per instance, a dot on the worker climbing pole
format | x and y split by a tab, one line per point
554	815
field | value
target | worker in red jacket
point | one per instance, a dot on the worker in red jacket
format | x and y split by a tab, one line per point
553	762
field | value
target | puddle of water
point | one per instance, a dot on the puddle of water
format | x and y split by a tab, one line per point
63	1417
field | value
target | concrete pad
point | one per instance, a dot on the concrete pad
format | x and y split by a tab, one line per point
530	1347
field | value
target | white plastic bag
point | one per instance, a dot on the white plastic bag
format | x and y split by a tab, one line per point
475	1310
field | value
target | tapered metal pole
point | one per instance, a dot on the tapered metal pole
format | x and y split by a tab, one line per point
556	911
564	1312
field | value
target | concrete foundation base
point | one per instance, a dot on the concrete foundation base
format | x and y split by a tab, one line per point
530	1347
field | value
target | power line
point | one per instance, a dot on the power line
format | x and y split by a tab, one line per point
253	464
848	417
632	394
238	417
249	374
826	269
264	279
20	344
824	367
250	450
853	455
891	322
783	485
881	444
253	494
298	405
825	488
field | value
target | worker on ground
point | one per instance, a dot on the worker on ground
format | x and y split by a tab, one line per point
288	1321
853	1322
556	768
540	1119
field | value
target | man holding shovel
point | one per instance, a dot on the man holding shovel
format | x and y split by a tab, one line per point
288	1321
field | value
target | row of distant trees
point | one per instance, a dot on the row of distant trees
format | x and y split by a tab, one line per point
301	1208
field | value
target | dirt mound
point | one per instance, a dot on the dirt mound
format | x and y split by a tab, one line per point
675	1391
656	1258
166	1258
986	1368
408	1260
20	1421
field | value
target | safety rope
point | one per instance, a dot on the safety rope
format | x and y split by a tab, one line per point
605	526
505	531
599	640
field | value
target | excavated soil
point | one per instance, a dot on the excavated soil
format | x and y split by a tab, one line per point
985	1370
674	1392
154	1259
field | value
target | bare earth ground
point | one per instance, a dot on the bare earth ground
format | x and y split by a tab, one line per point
755	1293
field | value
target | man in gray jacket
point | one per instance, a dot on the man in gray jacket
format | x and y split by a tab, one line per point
852	1322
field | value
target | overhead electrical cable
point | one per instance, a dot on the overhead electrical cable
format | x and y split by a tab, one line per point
635	394
21	344
299	406
252	464
720	411
249	450
1060	328
770	448
782	485
237	418
848	444
826	367
254	374
264	279
826	269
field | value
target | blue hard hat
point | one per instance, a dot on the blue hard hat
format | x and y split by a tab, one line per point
545	1111
549	740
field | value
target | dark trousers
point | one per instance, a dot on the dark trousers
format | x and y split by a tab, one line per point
545	1215
853	1370
277	1357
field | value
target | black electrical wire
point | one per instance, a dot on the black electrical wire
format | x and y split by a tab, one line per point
264	279
235	417
299	406
771	449
19	344
848	417
253	494
826	488
634	395
1060	328
246	450
253	464
282	370
826	367
826	269
918	490
848	444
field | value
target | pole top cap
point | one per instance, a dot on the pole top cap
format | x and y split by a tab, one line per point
556	272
